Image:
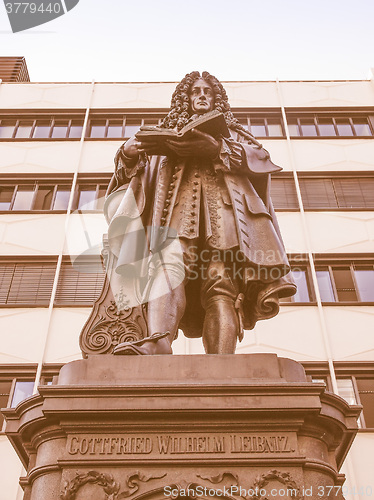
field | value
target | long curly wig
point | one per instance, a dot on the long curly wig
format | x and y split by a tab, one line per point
180	111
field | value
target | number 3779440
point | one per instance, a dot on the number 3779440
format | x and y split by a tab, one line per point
32	8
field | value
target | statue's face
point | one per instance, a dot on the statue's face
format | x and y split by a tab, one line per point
201	97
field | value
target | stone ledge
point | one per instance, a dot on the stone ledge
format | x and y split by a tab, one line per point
194	369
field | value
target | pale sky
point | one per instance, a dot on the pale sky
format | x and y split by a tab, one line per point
161	40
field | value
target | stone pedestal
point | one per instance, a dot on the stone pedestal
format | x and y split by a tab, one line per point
156	427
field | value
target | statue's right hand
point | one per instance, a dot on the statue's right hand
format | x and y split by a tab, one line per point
132	148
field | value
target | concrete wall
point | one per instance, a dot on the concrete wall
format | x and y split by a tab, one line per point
157	95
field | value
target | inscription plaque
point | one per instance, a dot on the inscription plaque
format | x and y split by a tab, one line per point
166	445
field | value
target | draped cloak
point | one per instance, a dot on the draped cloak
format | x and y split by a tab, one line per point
231	194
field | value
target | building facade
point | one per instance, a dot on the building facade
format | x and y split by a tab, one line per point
57	143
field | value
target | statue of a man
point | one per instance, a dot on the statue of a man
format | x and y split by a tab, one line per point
204	204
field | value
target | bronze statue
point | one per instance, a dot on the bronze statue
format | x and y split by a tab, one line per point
192	226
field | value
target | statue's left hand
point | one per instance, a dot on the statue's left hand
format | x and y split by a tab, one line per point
198	144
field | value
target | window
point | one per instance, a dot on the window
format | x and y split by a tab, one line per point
24	129
7	128
23	389
66	129
118	127
365	387
343	281
361	127
17	383
13	391
319	125
260	126
337	192
355	383
6	196
90	195
29	284
301	276
359	389
5	388
80	282
350	282
301	280
53	194
26	284
75	129
243	122
325	286
87	198
308	127
323	192
122	125
339	279
346	390
132	126
61	199
36	195
344	127
283	193
326	127
97	128
42	128
60	129
364	279
115	129
23	198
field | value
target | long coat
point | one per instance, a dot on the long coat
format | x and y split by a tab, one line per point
170	194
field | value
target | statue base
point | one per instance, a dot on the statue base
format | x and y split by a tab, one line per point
154	427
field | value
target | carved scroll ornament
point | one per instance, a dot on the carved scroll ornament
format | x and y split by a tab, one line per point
107	482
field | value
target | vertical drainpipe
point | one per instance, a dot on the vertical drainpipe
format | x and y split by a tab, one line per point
60	256
304	224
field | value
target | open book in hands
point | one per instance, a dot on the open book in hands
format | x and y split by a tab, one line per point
212	123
